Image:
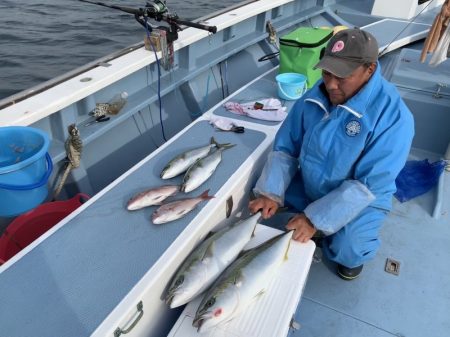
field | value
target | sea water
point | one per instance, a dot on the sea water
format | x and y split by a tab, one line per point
42	39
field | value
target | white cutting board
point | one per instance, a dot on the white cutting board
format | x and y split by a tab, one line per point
271	314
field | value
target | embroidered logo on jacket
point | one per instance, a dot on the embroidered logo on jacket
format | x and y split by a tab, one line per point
352	128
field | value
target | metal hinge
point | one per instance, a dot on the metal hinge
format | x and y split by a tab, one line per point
437	94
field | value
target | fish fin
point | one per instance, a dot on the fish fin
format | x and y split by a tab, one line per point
205	195
209	252
261	292
183	187
211	233
253	232
227	146
286	256
238	279
219	146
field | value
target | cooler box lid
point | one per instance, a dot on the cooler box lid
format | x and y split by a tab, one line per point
307	37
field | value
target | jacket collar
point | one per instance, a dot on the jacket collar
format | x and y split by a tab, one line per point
358	104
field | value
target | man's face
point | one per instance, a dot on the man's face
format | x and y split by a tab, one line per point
342	89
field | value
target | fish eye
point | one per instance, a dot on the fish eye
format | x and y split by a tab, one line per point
179	281
210	302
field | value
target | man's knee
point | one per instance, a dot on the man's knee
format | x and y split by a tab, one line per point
358	241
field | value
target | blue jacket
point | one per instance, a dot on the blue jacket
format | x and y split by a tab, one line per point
349	154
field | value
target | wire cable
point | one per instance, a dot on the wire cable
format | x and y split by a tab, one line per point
412	20
159	81
221	80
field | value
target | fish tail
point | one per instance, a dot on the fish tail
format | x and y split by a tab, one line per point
221	146
259	218
286	257
205	195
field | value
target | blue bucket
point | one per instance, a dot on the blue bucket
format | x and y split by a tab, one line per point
291	86
25	167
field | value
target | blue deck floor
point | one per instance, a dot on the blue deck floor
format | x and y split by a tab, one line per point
414	303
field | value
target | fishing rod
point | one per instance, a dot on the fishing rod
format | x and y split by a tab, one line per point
157	11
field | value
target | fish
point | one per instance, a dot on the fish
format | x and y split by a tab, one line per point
182	162
153	196
206	262
202	169
177	209
244	281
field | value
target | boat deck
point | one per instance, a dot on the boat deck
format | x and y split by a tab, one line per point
82	269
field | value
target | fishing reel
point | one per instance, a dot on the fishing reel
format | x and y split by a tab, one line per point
158	7
162	36
157	11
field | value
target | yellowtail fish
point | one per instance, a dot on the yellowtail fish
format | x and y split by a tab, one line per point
182	162
177	209
202	169
244	281
153	196
205	263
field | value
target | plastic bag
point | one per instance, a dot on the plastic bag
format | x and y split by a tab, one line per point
417	178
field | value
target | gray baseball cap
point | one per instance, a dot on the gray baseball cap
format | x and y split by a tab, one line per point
347	50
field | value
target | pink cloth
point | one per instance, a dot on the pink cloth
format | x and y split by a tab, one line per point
272	109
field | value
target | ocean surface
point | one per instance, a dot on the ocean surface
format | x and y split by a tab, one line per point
42	39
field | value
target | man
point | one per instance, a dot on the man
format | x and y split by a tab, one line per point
337	154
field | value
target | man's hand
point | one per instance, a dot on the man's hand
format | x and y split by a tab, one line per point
302	226
267	206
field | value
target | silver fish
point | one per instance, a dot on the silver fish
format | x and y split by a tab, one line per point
177	209
205	263
182	162
153	196
241	283
202	169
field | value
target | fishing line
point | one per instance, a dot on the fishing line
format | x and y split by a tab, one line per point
205	99
226	78
159	81
429	3
215	79
221	80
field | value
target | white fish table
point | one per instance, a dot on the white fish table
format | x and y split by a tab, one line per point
271	314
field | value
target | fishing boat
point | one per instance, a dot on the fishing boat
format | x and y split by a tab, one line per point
103	270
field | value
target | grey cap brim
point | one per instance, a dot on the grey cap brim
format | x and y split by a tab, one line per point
337	66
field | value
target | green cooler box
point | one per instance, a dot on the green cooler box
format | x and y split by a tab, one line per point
300	51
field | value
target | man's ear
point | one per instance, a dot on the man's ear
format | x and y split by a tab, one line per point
372	68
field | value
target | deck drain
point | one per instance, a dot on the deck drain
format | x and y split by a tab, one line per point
392	266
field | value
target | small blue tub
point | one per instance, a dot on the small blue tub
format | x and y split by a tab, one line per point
291	86
25	167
